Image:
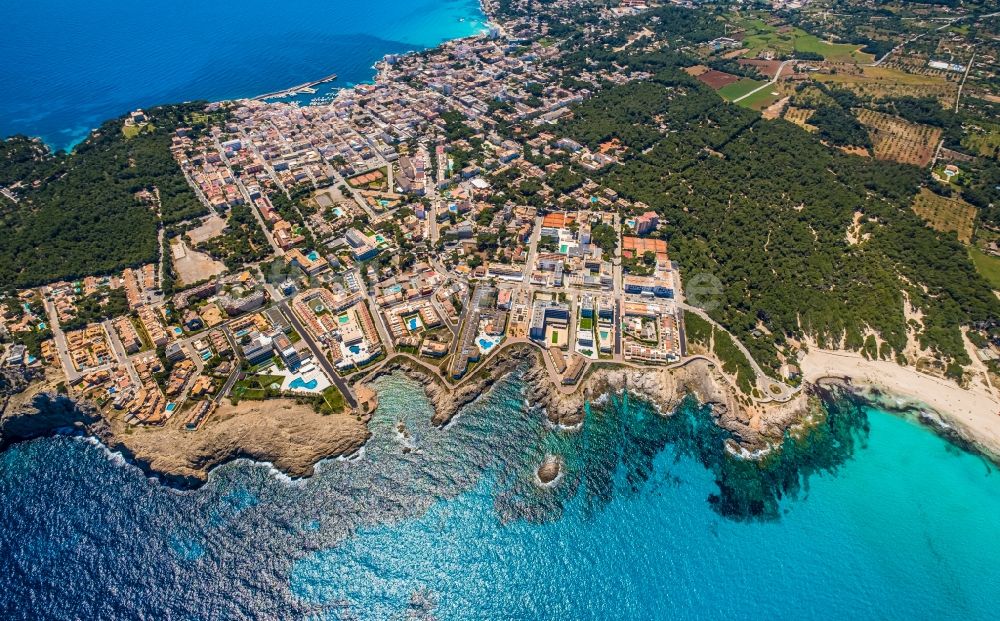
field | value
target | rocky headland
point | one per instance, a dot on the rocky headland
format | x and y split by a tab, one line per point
291	436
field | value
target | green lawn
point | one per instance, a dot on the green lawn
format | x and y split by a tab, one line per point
586	323
988	266
333	400
253	394
255	386
761	99
555	337
131	131
738	89
830	51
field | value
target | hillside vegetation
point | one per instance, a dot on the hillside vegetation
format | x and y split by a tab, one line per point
764	206
78	213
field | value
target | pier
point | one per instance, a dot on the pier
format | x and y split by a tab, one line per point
295	90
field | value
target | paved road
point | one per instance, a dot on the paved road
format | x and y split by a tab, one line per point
618	288
341	383
246	197
776	77
119	351
228	386
764	381
62	348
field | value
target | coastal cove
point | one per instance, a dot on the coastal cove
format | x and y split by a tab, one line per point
82	63
891	520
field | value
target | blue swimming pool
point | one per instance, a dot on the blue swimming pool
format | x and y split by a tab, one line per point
413	323
355	349
298	382
486	344
313	256
171	407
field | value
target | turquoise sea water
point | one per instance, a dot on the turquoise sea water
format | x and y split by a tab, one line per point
871	517
68	65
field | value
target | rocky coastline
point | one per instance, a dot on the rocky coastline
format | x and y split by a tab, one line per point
290	436
754	426
293	438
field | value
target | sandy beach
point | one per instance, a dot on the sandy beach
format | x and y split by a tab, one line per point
973	411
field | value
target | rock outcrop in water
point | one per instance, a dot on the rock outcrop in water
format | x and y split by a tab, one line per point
549	470
753	426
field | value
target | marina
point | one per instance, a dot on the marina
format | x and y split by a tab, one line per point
305	88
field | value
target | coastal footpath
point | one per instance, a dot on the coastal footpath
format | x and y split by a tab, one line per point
754	426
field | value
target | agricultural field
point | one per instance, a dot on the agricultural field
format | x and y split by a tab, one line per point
739	89
767	68
899	140
764	97
786	40
715	80
800	116
879	82
774	110
946	214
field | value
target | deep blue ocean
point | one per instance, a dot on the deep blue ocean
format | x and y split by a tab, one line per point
69	65
871	516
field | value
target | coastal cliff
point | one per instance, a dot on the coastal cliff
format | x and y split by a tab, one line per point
448	400
291	436
753	426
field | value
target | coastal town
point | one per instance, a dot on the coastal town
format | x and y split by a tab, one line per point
469	199
500	309
381	233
